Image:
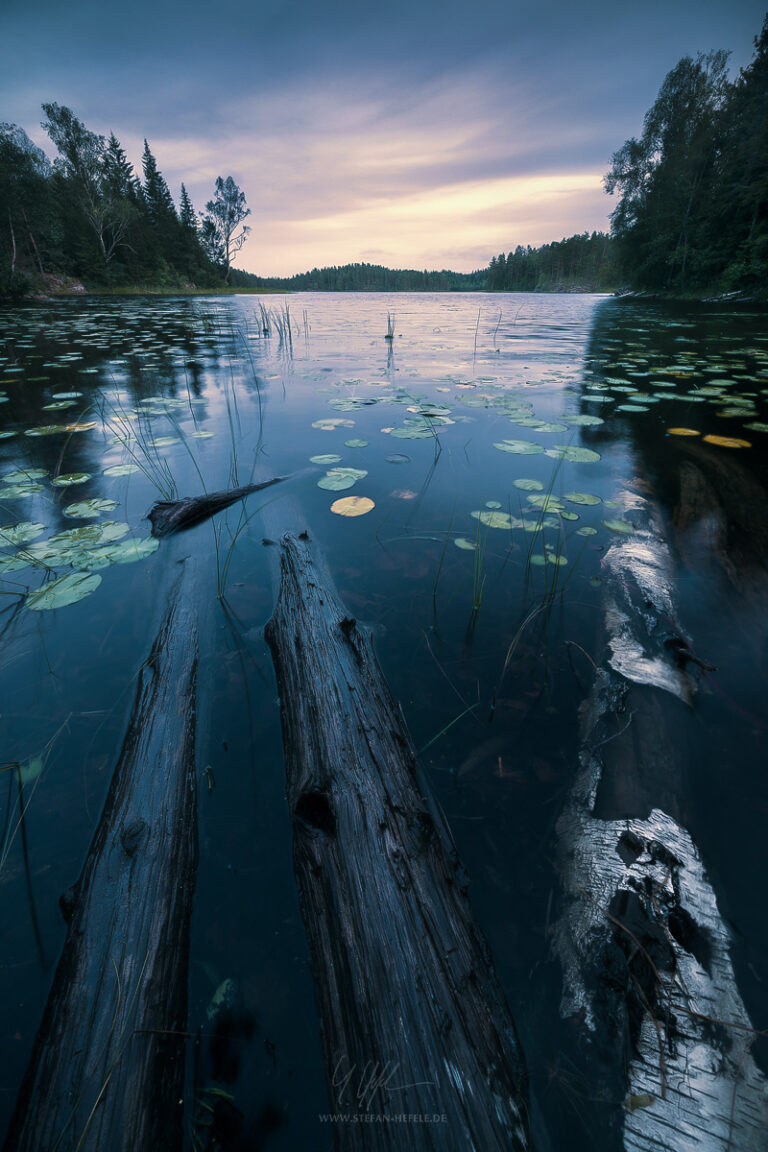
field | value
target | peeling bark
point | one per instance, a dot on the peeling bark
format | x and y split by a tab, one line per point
644	950
404	979
107	1070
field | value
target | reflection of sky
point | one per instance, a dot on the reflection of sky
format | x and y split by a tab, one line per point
428	135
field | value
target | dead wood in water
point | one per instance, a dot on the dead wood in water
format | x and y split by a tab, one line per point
169	516
106	1073
413	1018
645	953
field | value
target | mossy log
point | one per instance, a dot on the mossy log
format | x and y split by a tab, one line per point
414	1021
169	516
107	1066
645	953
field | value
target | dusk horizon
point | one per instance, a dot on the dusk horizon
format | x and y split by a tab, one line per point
410	139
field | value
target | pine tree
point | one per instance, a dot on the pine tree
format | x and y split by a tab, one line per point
187	216
157	194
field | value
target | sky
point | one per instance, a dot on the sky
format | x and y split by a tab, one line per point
415	134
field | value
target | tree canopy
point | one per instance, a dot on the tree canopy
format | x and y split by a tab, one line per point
692	210
89	217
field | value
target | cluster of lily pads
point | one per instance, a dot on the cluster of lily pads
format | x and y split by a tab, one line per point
649	365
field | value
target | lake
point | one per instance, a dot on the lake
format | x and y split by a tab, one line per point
499	444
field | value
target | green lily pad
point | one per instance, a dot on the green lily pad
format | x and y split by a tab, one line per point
89	509
573	453
520	447
47	430
582	420
624	527
581	498
546	503
464	544
164	441
356	443
492	504
569	515
63	591
586	531
126	552
22	475
495	519
17	491
21	533
71	478
528	485
337	479
326	458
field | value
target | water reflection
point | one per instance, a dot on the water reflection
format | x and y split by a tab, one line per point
480	570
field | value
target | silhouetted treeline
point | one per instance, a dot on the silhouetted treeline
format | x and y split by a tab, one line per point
583	263
90	218
692	214
366	278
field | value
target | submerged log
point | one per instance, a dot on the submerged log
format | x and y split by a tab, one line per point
107	1066
169	516
414	1021
643	947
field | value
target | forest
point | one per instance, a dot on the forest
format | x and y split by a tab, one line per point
89	219
692	210
690	219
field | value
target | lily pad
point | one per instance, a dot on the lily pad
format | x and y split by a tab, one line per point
22	475
586	531
495	519
728	442
584	420
352	506
398	458
624	527
337	479
683	432
573	453
126	552
326	458
21	533
63	591
581	498
89	509
71	478
546	503
464	544
526	485
356	443
17	491
520	447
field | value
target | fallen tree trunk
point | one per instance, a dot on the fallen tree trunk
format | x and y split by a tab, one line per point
169	516
107	1067
414	1021
644	950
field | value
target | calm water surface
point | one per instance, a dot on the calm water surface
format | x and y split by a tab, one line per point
500	439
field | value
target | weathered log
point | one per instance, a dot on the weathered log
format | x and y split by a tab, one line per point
414	1021
169	516
644	950
107	1066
